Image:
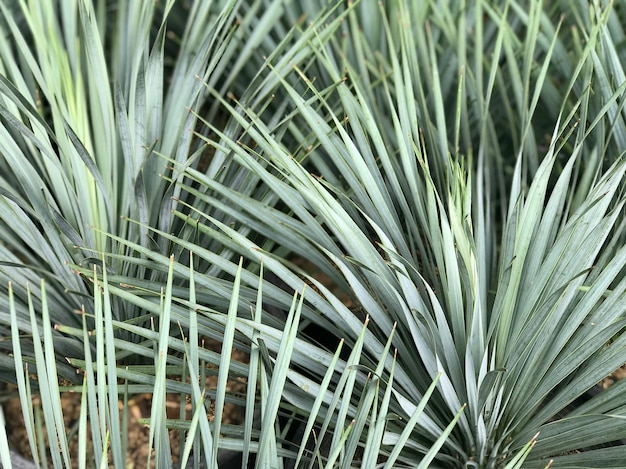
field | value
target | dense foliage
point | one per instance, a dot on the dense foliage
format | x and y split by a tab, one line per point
454	172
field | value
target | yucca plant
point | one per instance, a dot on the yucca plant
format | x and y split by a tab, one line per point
91	92
83	116
206	443
497	258
82	113
406	158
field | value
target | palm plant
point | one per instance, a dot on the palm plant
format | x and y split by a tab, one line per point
409	164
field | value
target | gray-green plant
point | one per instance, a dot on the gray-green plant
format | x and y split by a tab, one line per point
100	428
91	92
456	171
506	274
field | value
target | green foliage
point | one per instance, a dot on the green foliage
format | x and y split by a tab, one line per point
454	170
88	100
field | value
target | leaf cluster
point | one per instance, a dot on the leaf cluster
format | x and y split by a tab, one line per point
454	169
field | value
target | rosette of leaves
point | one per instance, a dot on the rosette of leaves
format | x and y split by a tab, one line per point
406	159
504	274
